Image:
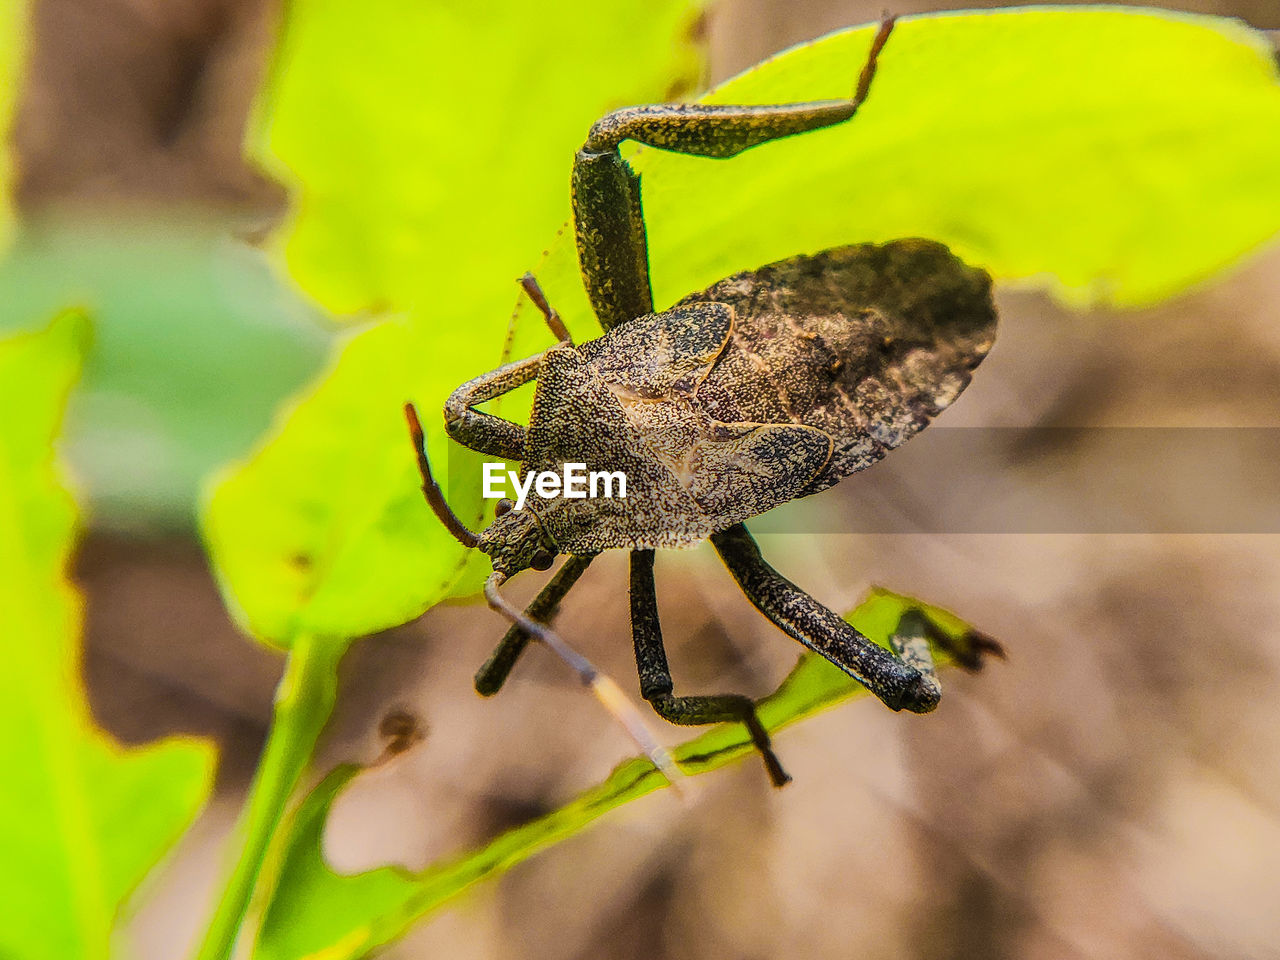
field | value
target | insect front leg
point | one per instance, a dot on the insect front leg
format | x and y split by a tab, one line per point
484	432
481	431
908	683
608	218
494	673
655	675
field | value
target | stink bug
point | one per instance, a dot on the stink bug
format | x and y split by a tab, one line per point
769	385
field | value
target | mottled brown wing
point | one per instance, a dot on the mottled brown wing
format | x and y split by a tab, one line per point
867	343
686	476
743	469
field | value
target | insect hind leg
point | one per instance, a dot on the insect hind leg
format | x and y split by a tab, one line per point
915	637
657	687
897	681
910	642
608	215
905	679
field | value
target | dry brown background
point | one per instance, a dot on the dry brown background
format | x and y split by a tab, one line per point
1111	791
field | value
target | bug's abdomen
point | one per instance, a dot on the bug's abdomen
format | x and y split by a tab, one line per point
867	343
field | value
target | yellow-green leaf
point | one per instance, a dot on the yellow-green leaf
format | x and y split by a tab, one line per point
82	819
428	148
324	532
428	144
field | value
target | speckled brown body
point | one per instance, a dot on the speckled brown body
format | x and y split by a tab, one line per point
770	385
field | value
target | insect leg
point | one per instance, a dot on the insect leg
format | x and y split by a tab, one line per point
916	635
655	674
900	684
494	673
601	685
608	218
968	651
484	432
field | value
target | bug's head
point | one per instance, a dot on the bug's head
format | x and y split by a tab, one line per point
516	541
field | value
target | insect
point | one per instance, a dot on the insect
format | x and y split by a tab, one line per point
771	384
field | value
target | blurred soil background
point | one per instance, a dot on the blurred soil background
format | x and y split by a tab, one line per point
1113	790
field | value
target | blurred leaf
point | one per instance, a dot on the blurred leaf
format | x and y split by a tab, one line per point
426	171
13	53
82	819
196	342
318	913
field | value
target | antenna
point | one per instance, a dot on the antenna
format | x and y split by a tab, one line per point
431	489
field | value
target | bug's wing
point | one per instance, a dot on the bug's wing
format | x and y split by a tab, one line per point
744	469
868	343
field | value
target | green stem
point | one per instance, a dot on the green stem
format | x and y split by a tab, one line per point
304	700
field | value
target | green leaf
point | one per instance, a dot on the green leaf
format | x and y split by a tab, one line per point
13	54
426	172
437	158
82	819
324	532
318	913
303	702
1125	154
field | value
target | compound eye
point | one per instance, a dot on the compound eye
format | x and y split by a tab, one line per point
542	560
503	507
